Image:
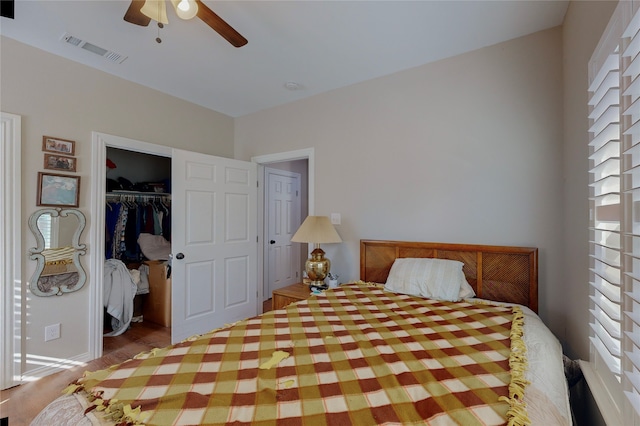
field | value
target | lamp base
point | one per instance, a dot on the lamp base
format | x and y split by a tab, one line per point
317	267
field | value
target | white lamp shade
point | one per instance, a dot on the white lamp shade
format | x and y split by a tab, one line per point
156	10
316	229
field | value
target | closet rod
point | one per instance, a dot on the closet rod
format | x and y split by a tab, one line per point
137	196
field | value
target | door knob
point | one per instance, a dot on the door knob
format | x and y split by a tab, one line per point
272	242
179	256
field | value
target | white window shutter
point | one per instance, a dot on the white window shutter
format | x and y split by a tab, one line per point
605	242
630	131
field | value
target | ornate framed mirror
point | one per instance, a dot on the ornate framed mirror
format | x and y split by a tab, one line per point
58	270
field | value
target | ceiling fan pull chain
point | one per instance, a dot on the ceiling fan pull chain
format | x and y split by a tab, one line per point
158	39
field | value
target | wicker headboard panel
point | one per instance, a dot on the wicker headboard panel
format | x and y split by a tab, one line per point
500	273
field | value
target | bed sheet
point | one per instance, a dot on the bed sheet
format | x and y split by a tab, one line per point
546	396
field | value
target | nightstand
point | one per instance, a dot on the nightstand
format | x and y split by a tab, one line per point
290	294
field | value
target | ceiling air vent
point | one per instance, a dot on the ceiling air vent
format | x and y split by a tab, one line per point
107	54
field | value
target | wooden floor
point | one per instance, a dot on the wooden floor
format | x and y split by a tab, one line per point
21	404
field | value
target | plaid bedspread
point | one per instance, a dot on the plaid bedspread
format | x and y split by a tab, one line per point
354	355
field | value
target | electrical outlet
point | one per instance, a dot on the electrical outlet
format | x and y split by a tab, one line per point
51	332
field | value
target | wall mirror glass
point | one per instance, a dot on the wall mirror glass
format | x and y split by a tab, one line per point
58	270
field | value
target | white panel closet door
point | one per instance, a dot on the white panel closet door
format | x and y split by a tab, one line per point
214	224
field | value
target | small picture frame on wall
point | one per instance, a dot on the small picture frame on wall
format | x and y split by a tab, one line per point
58	190
57	145
59	162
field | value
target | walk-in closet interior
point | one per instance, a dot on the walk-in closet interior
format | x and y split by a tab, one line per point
137	273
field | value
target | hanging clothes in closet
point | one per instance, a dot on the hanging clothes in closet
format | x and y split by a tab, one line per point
128	215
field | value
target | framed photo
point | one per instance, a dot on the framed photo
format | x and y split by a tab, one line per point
59	162
60	146
58	190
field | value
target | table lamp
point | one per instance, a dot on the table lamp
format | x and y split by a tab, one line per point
317	230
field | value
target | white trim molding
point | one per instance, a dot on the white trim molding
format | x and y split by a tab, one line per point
100	142
608	409
11	251
300	154
262	161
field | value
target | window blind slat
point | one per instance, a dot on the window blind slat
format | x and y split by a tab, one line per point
605	78
611	361
610	342
635	295
633	89
608	328
607	239
632	109
632	68
609	134
634	356
611	97
607	308
609	289
632	49
634	133
610	167
609	256
609	149
610	115
635	318
610	184
607	272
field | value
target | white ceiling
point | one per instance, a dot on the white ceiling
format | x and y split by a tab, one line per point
321	45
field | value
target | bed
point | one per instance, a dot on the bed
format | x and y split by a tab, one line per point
358	354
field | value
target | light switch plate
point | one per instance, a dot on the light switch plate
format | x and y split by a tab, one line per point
335	218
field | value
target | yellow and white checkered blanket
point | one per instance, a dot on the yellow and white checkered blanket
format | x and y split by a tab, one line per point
353	355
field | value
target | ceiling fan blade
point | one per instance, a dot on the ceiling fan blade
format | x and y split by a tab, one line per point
219	25
134	15
7	9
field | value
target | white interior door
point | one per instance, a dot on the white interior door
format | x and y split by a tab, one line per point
283	220
214	244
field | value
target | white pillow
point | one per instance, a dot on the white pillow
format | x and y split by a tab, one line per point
466	291
440	279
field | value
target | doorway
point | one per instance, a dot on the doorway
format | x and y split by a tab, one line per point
283	199
299	161
101	143
138	234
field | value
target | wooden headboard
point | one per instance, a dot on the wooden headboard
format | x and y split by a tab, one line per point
500	273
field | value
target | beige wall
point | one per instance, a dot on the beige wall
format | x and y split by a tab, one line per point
57	97
468	149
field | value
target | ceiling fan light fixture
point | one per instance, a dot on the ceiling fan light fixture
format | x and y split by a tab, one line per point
156	10
185	9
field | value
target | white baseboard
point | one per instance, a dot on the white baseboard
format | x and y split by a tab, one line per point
52	366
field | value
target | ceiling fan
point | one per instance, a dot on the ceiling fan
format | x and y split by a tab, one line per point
141	12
